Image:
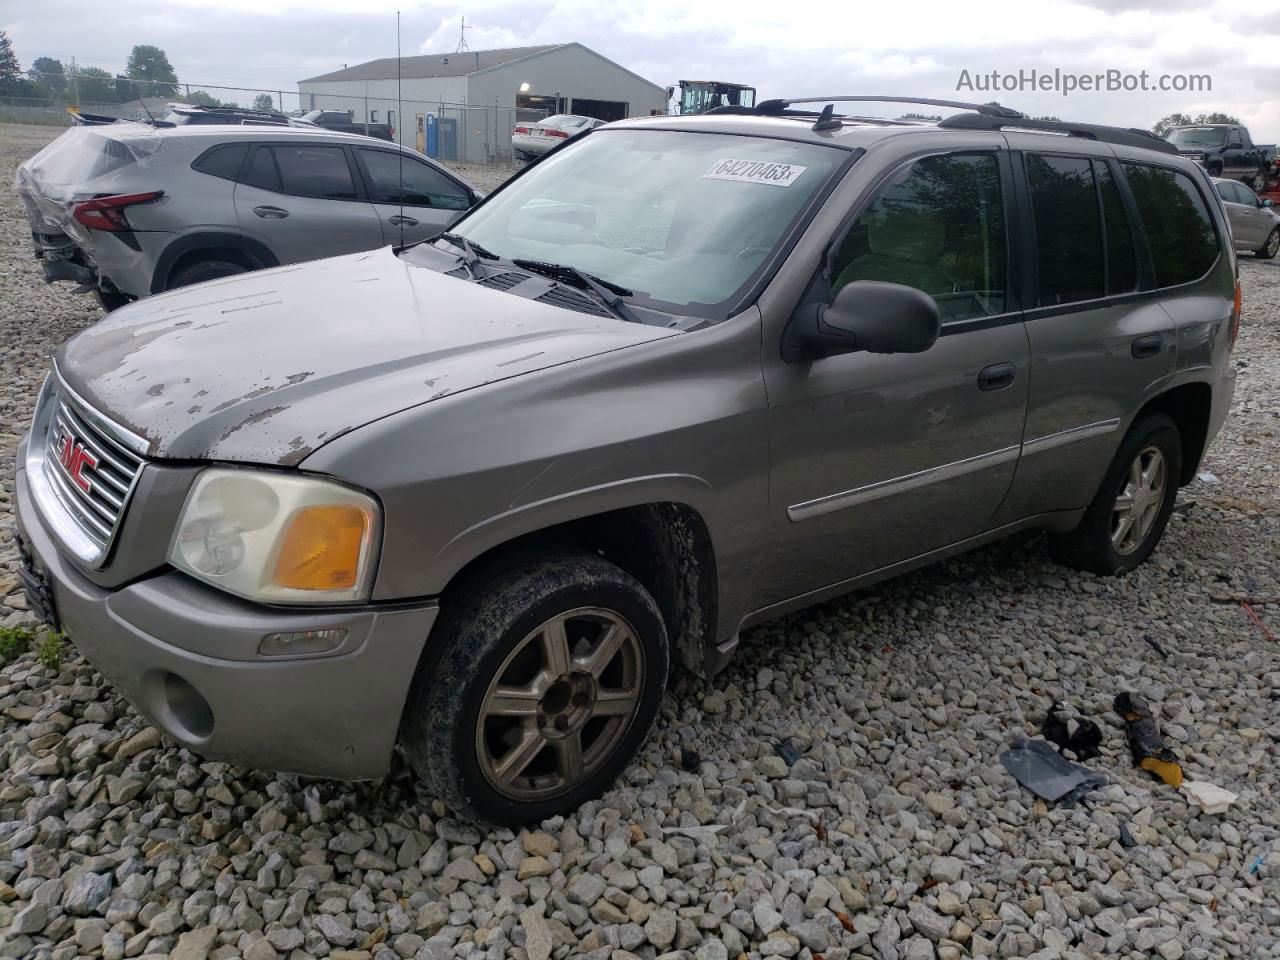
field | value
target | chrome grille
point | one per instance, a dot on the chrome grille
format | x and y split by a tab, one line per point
88	472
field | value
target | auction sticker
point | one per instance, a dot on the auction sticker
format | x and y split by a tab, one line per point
755	171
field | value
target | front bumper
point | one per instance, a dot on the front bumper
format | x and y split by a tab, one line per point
185	655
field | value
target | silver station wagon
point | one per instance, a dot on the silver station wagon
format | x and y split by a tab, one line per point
480	495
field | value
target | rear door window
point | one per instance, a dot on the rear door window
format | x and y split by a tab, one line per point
939	227
314	171
262	172
1180	232
1069	247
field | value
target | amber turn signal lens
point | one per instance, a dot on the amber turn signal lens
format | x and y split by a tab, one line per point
321	550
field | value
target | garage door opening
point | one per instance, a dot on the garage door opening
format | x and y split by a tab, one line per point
606	110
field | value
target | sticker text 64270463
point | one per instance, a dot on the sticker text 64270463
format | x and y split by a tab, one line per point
755	171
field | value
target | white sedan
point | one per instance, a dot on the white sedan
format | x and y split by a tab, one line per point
533	139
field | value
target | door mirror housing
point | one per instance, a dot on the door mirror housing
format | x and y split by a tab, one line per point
866	315
1266	202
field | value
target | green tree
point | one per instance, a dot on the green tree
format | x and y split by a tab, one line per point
1164	125
150	68
10	72
263	101
95	85
49	72
203	98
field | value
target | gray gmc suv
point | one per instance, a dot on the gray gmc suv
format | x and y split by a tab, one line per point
479	496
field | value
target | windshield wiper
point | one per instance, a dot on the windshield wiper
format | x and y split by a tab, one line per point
609	294
471	252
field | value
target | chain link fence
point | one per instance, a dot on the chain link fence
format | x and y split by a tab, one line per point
455	132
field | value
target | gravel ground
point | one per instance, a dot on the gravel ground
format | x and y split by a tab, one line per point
894	835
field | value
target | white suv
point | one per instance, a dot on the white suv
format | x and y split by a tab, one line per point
128	209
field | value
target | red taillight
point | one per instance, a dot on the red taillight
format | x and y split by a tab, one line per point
558	134
107	213
1235	314
524	130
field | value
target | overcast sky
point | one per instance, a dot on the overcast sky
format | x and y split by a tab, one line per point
784	48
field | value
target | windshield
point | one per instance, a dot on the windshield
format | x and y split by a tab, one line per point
1197	137
684	219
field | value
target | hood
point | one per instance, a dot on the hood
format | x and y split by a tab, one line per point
265	367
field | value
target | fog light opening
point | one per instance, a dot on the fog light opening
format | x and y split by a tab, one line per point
302	643
187	708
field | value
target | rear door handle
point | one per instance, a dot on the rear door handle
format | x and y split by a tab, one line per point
997	376
399	220
1147	346
271	213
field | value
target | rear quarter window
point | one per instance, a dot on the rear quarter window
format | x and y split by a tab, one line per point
1180	232
224	161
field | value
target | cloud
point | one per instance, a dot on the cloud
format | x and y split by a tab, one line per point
804	47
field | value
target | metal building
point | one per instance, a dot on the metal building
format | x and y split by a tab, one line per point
462	106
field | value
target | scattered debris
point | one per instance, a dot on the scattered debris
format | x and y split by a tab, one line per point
1064	727
690	760
788	753
1210	797
1206	477
1041	769
1240	504
1266	631
1126	838
1184	507
1146	743
1155	645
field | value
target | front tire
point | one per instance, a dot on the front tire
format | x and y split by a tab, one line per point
1132	507
549	675
1269	249
1259	180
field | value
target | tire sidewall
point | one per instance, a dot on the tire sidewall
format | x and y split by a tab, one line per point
1156	430
1266	253
457	684
203	271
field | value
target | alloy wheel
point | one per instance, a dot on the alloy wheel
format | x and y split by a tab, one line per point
1138	504
1273	243
560	703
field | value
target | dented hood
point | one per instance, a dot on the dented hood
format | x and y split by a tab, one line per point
265	367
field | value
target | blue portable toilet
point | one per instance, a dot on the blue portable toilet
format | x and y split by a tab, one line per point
433	136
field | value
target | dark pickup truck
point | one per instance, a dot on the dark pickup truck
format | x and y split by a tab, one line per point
342	121
1226	150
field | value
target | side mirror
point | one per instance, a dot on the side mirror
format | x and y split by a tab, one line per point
1266	202
865	315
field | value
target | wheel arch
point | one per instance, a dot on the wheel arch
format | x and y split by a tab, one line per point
665	544
253	254
1189	406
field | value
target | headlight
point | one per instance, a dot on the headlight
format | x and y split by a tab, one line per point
277	537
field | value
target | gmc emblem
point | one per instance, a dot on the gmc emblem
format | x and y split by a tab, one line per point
75	458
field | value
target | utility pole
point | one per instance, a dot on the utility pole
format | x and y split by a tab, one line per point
75	82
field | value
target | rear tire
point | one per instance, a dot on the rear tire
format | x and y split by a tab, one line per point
1269	249
1259	180
1151	451
548	675
203	270
112	299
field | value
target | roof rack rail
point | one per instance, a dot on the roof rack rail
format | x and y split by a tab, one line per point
774	107
1125	136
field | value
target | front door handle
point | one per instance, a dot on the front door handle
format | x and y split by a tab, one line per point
400	220
997	376
1147	346
271	213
